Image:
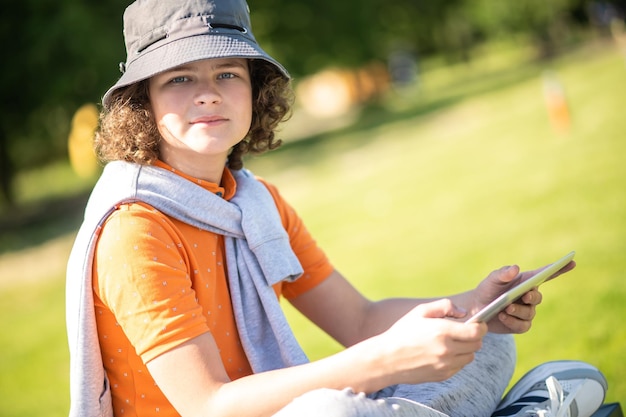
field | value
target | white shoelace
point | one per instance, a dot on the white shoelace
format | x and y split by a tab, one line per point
559	404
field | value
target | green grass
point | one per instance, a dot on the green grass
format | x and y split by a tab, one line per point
425	196
33	359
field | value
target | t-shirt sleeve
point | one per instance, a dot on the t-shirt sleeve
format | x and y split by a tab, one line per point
142	276
314	261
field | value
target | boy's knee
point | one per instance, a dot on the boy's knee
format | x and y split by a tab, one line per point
324	402
346	403
499	343
504	343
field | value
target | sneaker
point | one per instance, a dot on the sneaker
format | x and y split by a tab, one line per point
555	389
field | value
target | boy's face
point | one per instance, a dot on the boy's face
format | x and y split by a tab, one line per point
202	110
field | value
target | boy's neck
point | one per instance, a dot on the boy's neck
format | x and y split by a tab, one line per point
203	168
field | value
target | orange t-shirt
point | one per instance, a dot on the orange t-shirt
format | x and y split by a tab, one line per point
159	282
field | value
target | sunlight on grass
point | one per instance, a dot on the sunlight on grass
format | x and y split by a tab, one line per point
34	370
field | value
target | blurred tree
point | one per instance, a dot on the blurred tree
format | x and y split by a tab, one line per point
311	34
61	54
56	56
308	35
546	23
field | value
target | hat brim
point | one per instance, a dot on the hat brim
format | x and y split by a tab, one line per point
186	50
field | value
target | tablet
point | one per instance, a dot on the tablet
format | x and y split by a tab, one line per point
500	303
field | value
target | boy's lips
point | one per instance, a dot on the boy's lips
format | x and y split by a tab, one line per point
208	119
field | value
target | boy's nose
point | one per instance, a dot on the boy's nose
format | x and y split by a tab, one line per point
207	94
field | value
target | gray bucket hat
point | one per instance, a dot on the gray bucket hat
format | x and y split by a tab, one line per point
163	34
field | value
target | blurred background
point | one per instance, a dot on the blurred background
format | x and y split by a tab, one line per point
431	142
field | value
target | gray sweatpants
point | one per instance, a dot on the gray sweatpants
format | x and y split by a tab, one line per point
475	391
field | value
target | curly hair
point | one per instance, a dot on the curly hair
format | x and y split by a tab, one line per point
128	131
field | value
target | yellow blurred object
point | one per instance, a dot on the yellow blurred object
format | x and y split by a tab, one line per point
80	143
334	92
556	103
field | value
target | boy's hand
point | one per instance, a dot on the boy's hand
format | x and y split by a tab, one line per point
421	347
517	317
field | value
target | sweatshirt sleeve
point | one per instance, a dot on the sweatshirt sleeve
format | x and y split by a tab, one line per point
314	261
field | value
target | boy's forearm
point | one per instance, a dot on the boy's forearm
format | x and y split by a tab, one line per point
265	393
382	314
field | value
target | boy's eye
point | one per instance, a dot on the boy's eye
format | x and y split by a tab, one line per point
179	79
226	75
